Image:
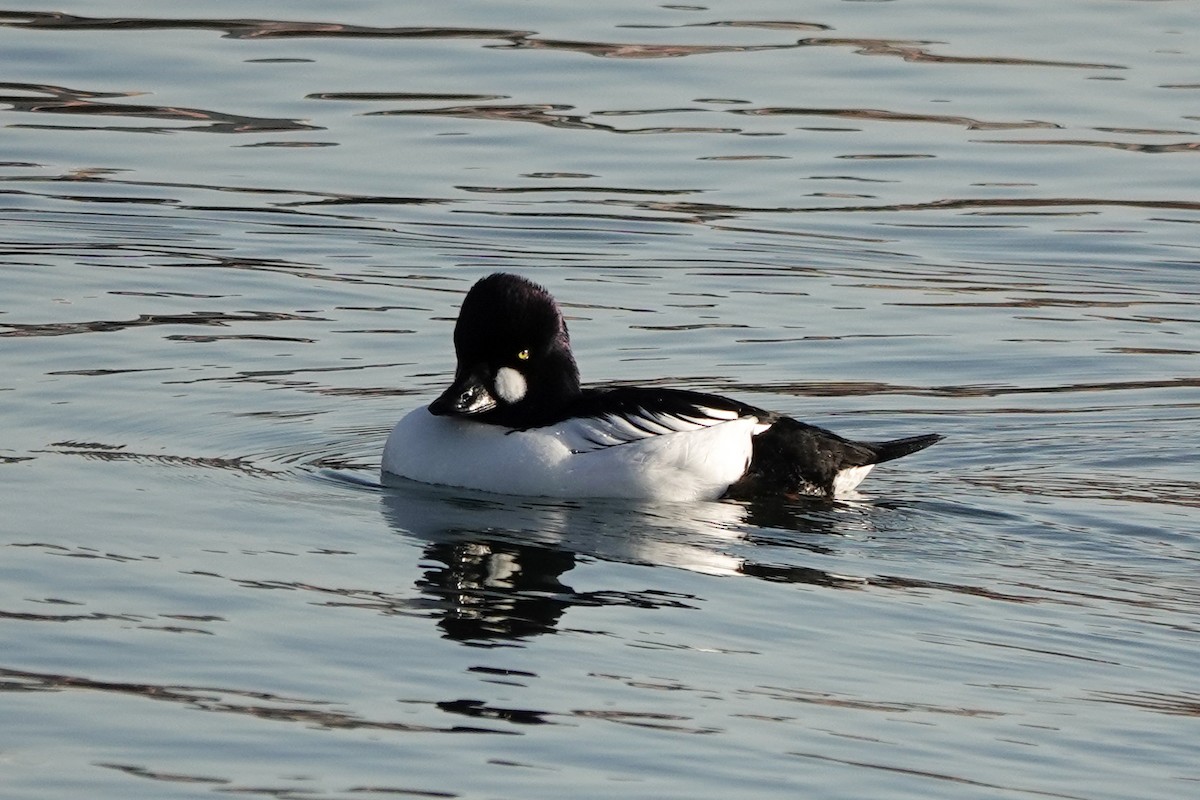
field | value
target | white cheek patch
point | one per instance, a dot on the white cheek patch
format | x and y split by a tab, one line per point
510	385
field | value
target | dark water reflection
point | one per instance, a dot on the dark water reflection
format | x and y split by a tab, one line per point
265	29
512	583
43	99
223	701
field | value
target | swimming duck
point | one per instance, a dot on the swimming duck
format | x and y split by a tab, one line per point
516	420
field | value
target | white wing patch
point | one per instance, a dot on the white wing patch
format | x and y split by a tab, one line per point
587	434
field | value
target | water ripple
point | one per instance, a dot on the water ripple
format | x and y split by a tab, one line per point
46	99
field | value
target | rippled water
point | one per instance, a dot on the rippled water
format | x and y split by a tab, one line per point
232	246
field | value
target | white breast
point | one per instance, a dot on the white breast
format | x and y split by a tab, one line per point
688	465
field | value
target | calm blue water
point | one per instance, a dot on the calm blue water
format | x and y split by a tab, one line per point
232	247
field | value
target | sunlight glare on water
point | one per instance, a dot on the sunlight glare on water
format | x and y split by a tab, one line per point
233	243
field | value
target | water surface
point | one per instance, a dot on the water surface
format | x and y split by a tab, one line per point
232	247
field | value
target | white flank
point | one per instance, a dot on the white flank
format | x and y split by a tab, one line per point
695	464
510	385
847	479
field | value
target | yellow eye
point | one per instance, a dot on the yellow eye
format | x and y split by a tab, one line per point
523	355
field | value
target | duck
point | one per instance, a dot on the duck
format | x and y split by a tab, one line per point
516	420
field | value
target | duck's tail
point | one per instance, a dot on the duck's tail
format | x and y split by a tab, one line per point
794	458
898	448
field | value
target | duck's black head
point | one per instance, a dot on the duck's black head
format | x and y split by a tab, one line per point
515	366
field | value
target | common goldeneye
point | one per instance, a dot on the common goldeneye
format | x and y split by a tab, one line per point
516	421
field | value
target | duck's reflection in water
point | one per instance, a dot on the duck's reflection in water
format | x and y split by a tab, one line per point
495	568
490	589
